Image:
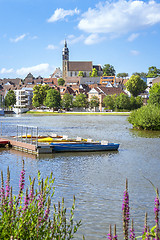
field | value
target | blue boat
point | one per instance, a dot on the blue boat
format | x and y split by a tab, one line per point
83	147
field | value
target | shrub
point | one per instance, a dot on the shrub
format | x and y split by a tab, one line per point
146	117
27	216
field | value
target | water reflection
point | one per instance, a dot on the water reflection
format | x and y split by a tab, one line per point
145	133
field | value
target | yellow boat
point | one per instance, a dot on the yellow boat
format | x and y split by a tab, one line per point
50	139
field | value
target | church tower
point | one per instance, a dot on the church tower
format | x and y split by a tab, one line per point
65	60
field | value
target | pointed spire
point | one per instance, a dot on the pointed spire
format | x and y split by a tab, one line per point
65	44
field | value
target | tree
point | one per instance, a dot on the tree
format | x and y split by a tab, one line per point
142	74
135	102
108	70
135	85
109	101
10	98
94	102
61	82
122	101
80	101
53	99
81	74
153	72
154	97
94	73
122	75
67	101
39	94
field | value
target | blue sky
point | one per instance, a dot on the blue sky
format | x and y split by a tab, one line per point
125	34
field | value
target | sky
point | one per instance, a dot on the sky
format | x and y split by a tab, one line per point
124	34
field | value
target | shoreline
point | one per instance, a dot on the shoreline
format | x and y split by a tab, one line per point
79	113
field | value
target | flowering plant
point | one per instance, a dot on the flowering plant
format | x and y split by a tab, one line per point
147	234
27	215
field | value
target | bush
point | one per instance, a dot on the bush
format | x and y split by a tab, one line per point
27	216
146	117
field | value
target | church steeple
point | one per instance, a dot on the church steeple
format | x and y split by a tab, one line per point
65	59
65	52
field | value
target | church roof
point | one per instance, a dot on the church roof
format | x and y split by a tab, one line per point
79	66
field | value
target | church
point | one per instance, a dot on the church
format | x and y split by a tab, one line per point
72	68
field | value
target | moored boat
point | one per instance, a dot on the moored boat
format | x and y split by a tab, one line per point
3	143
83	146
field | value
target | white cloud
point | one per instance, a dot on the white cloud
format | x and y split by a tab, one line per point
60	14
21	37
135	52
93	38
71	39
38	69
132	37
4	70
120	17
51	47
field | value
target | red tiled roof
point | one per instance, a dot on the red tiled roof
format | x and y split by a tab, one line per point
80	66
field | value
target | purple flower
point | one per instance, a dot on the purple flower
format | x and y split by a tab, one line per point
115	237
125	209
132	235
109	236
7	189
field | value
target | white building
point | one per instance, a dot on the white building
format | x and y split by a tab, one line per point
23	100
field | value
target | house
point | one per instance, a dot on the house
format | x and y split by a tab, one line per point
23	100
57	73
108	80
156	80
11	81
101	92
50	81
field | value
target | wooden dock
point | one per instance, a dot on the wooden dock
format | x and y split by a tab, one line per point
32	148
25	144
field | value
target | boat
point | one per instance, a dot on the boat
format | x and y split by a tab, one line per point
3	143
83	146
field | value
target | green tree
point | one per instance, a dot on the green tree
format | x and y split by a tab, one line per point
39	94
81	74
141	74
61	82
153	72
53	99
135	102
122	102
154	95
109	101
94	73
108	70
94	102
80	101
67	101
135	85
10	98
122	75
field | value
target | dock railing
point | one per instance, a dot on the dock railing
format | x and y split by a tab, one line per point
27	134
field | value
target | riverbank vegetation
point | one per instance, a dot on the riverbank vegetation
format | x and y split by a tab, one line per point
27	215
128	229
148	117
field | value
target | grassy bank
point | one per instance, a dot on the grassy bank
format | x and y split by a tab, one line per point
79	113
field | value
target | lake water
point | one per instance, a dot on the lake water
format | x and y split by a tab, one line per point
96	179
